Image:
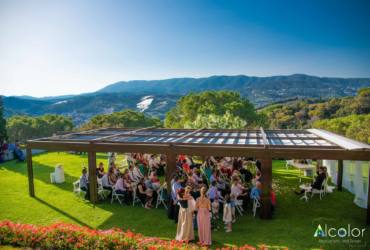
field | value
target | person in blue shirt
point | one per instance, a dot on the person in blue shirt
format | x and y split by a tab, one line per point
256	191
84	183
173	209
213	193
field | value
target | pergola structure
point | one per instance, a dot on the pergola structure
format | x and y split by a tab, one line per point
264	145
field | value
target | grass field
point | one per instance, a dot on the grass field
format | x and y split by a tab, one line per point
293	225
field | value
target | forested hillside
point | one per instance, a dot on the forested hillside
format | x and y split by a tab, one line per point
348	116
302	113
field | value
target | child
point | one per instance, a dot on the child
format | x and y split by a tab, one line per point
215	208
233	205
227	218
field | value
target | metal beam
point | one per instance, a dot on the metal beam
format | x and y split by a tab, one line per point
92	177
266	173
129	132
170	169
31	186
340	175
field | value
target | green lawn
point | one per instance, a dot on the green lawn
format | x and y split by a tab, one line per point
293	225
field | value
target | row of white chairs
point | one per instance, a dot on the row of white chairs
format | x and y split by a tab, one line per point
103	194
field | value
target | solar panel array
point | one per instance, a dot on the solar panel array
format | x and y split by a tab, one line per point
255	138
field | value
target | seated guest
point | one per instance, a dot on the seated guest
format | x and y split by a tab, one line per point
100	170
196	176
257	178
112	176
256	191
18	152
145	194
239	191
105	182
131	174
156	184
114	168
220	183
247	175
318	181
119	186
128	187
153	163
185	166
137	174
84	183
162	164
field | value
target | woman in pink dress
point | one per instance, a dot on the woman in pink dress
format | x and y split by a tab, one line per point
203	205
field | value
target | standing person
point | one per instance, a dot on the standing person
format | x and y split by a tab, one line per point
84	183
185	227
203	206
227	218
173	210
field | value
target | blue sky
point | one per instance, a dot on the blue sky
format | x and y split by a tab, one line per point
63	47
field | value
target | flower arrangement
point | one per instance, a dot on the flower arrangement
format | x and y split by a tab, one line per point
70	236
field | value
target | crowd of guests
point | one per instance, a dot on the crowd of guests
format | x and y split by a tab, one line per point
201	195
139	179
210	192
13	148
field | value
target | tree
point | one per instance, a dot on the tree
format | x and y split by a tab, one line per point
23	128
3	133
353	126
198	107
126	118
227	121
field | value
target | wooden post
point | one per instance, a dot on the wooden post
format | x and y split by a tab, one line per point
368	200
318	165
92	177
170	169
266	167
31	186
340	175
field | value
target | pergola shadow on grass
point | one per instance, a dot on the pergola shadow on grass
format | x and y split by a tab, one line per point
260	144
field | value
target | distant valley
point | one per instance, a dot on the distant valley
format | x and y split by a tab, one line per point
157	97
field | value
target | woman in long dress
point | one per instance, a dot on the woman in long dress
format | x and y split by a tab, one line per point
185	228
203	205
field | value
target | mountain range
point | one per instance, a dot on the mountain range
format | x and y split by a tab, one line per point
156	97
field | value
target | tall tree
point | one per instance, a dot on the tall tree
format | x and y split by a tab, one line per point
196	107
126	118
3	134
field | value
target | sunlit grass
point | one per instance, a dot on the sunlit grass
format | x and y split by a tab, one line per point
293	225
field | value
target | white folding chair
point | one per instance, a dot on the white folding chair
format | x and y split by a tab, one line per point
116	196
320	192
239	206
102	193
77	190
161	199
256	204
135	198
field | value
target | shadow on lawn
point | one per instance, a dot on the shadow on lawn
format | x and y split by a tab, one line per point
61	212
